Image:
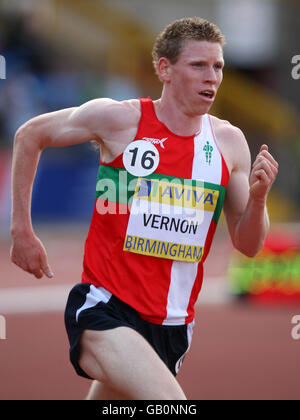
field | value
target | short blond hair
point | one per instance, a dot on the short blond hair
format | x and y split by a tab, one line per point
170	42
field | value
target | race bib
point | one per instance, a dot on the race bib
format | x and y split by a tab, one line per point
170	219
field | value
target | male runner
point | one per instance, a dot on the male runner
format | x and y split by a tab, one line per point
165	166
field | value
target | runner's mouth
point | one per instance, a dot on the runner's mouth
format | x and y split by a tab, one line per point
208	94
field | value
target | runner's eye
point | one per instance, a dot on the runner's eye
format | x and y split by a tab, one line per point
198	64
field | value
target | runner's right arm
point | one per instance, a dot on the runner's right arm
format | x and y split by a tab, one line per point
91	121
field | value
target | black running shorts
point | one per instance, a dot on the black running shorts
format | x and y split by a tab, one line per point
94	308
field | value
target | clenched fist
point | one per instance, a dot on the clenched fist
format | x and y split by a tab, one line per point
263	174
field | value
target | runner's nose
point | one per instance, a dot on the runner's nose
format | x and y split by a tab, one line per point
210	75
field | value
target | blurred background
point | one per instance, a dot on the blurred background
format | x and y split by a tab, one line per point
62	53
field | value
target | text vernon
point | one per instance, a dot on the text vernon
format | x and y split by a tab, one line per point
164	222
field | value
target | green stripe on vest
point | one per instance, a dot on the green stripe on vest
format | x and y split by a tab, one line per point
118	185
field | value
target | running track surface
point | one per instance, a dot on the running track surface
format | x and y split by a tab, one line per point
239	351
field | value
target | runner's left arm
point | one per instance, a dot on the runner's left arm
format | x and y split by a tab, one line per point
245	203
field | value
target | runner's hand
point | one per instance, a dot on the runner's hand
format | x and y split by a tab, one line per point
28	253
263	174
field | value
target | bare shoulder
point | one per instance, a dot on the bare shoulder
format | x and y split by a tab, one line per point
112	123
106	115
232	143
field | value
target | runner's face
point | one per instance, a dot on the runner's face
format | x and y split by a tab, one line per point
197	75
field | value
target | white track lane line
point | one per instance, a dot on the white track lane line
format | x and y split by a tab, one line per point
37	299
34	299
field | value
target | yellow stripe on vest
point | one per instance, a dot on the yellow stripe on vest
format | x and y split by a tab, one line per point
176	194
163	249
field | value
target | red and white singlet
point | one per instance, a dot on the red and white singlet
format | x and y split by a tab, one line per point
156	211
